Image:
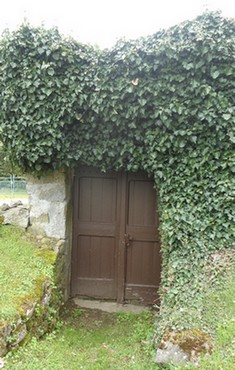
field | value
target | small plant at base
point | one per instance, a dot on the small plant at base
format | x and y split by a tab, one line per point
77	313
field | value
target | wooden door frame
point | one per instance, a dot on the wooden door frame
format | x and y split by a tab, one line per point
121	244
74	229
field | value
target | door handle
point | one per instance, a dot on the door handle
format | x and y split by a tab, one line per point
127	240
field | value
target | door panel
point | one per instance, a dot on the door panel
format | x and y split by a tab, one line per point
141	199
95	276
116	251
94	252
90	257
97	199
143	249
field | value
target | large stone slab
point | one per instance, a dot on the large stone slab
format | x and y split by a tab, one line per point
48	204
171	354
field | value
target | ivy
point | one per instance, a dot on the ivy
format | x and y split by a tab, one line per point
163	104
45	84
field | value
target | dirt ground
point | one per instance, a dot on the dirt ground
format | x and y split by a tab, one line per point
86	317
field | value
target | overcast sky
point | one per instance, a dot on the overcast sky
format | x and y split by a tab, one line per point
102	22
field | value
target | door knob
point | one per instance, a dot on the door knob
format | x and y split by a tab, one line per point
127	239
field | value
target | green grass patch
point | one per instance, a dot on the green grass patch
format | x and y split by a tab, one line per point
218	318
220	315
92	340
23	269
6	196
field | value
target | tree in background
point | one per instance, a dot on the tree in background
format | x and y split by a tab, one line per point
7	168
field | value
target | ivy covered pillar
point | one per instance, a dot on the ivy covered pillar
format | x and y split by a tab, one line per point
51	217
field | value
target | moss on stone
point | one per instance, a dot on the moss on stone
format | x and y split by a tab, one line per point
48	255
193	342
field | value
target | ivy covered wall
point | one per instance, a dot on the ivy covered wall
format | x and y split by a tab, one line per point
163	104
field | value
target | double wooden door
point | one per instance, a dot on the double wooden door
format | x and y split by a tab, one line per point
116	245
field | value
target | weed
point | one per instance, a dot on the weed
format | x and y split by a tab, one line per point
77	313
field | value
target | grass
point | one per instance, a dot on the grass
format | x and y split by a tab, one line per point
91	340
219	317
220	313
22	269
6	196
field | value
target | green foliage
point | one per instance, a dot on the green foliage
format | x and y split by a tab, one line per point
7	167
163	104
45	83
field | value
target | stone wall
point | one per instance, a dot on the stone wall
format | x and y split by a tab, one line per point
49	218
33	320
50	207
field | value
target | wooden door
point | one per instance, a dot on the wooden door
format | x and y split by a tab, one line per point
95	234
116	249
142	275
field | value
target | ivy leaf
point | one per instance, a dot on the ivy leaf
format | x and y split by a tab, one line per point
38	167
215	74
51	71
226	116
188	66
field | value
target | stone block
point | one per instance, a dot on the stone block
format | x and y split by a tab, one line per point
19	334
4	207
171	354
17	216
3	347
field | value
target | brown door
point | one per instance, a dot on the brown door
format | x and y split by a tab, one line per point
142	251
116	248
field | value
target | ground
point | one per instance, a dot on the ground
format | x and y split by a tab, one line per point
91	339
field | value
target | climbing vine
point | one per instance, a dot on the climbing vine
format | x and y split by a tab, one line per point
163	104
